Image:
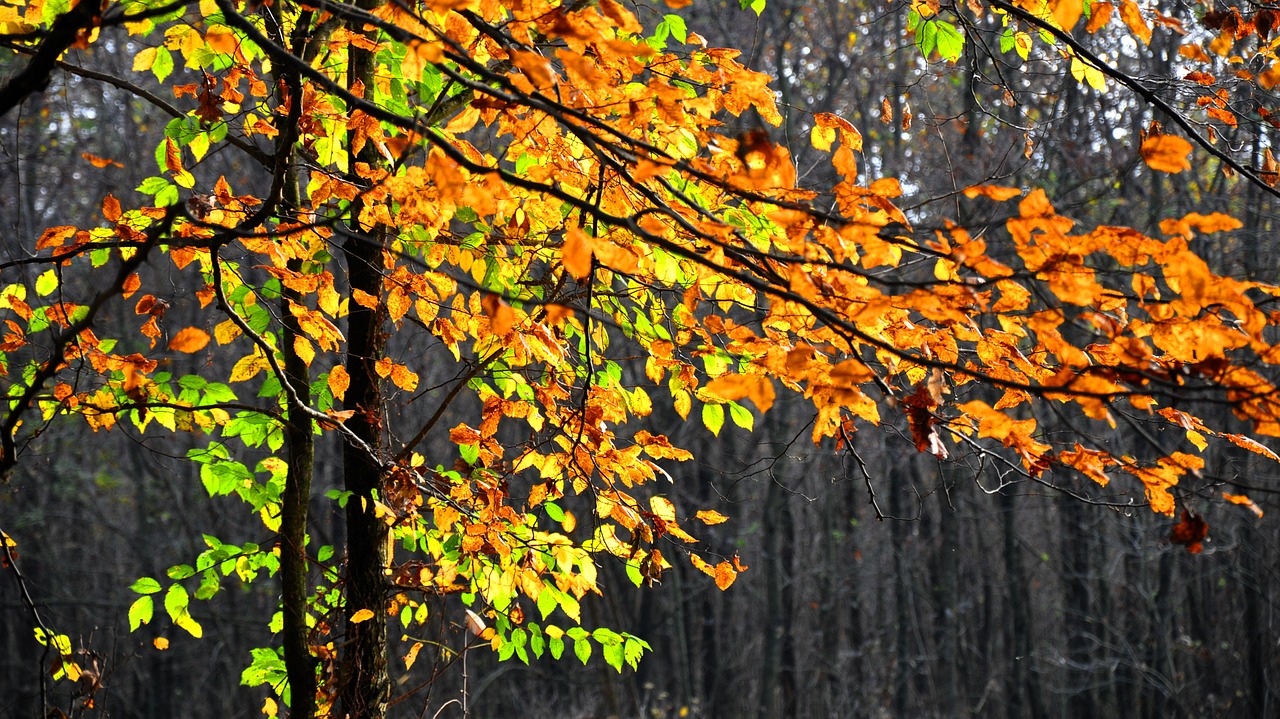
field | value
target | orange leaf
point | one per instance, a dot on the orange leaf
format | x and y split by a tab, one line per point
111	208
1132	17
160	643
339	381
999	194
736	386
725	575
1167	153
501	316
363	615
99	161
131	285
576	253
191	339
1098	17
1243	501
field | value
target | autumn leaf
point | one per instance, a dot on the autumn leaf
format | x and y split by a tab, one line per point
576	253
1132	17
189	340
710	516
501	317
99	162
1167	153
338	381
111	208
362	615
737	386
999	194
1243	501
1190	532
160	643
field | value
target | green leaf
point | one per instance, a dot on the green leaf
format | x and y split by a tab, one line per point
742	416
547	602
582	648
613	655
537	642
469	453
675	25
163	64
140	612
176	601
209	586
633	573
556	646
145	585
927	37
633	650
553	511
713	417
950	41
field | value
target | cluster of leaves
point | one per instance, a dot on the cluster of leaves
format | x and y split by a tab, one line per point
545	184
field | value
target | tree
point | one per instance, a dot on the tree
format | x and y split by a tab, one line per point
528	194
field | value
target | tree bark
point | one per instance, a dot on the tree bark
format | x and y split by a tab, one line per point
365	686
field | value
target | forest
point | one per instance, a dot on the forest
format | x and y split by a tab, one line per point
603	358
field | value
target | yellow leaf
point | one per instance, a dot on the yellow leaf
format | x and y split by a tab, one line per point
1167	153
270	708
144	59
189	340
225	332
248	367
1087	74
363	615
822	137
303	349
710	516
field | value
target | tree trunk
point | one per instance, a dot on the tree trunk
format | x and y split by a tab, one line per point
365	686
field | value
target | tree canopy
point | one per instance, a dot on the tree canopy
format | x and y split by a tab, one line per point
589	213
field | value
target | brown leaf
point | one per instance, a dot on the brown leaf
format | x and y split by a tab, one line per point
1190	532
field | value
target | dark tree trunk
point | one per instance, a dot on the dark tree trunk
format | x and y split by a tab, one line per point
365	686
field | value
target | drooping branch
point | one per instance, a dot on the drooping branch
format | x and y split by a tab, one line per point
70	334
1147	95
